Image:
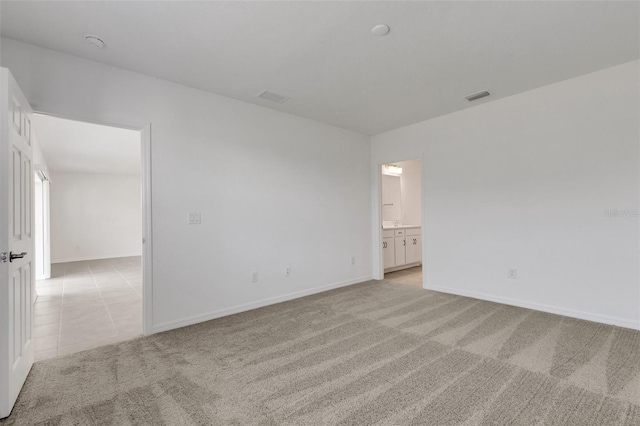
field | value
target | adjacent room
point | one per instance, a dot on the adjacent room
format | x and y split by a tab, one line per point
320	213
89	286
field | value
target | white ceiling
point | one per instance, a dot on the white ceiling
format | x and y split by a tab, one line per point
74	146
323	56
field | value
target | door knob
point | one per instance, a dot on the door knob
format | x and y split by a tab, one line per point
16	255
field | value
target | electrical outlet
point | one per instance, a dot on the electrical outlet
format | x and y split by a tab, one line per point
287	272
254	277
512	273
194	218
353	260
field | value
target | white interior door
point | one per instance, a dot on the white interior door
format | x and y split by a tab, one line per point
17	281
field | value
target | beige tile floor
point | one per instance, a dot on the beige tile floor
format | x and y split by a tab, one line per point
87	304
411	276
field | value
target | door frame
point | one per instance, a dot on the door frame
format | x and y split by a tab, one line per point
42	217
378	258
147	223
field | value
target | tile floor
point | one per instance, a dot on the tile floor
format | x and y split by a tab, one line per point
87	304
411	276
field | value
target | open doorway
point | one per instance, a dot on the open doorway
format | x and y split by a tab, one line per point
401	217
89	228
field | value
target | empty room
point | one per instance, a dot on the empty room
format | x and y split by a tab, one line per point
330	213
89	287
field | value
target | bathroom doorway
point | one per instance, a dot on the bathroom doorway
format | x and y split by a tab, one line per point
401	221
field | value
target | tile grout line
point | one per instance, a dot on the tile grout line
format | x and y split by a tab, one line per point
82	274
36	327
102	298
127	281
64	279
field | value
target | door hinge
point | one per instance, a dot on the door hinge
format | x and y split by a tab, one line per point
4	256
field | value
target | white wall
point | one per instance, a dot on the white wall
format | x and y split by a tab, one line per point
39	161
274	190
94	216
524	182
411	188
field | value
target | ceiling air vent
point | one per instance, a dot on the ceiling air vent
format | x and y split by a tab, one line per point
478	95
274	97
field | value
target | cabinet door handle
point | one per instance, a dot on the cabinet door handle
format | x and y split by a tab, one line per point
404	242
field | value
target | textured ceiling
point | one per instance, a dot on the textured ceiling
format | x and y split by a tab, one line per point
323	56
73	146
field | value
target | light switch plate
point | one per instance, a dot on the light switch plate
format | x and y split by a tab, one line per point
194	218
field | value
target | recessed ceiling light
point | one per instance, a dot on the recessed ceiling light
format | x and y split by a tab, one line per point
380	30
95	41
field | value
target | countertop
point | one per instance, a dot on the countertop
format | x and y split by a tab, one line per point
387	228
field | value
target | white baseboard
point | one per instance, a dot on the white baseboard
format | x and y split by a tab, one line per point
170	325
82	259
588	316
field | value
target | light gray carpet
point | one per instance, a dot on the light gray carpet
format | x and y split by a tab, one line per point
377	352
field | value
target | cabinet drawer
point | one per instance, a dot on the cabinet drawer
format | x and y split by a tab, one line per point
414	231
399	232
387	234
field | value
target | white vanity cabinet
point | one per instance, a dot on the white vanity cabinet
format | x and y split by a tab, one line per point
413	245
401	244
389	251
401	247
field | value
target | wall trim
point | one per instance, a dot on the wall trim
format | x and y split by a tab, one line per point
170	325
82	259
588	316
147	207
147	230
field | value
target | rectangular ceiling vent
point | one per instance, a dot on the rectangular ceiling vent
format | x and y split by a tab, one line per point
274	97
478	95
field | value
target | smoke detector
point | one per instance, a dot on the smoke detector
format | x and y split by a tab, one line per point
380	30
273	97
478	95
94	41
